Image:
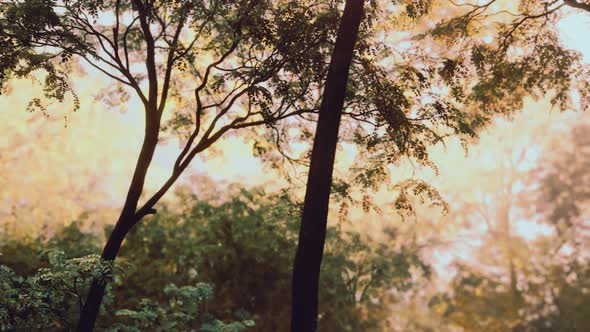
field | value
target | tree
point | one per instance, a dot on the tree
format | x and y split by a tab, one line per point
521	284
235	54
314	219
560	200
561	195
385	104
449	81
578	4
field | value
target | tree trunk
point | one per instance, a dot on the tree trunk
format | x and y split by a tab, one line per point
312	233
128	218
95	295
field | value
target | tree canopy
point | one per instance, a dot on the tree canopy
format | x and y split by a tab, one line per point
213	67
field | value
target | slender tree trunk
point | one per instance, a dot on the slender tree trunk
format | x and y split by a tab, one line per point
312	234
129	215
128	218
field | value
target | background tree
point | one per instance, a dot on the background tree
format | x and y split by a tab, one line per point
561	203
534	292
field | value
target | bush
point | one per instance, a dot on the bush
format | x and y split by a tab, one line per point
243	245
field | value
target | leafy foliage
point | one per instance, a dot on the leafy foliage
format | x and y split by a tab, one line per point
246	64
462	65
50	299
531	285
180	314
243	244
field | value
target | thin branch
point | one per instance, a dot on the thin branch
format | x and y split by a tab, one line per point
505	41
169	65
104	71
125	49
150	62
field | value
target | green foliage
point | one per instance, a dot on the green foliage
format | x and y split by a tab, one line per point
560	301
26	255
479	303
242	244
51	298
548	299
181	313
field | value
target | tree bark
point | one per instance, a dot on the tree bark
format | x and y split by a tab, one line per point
129	215
127	219
95	295
312	233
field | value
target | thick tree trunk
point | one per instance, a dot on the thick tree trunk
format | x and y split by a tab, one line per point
312	233
95	295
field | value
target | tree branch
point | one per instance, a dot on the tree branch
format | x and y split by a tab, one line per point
576	4
170	64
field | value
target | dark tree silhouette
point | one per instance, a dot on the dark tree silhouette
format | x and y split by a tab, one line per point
252	63
312	234
243	61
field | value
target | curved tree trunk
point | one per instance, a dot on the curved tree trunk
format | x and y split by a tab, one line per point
129	215
312	233
95	295
128	218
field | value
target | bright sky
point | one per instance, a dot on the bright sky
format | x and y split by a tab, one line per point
574	31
